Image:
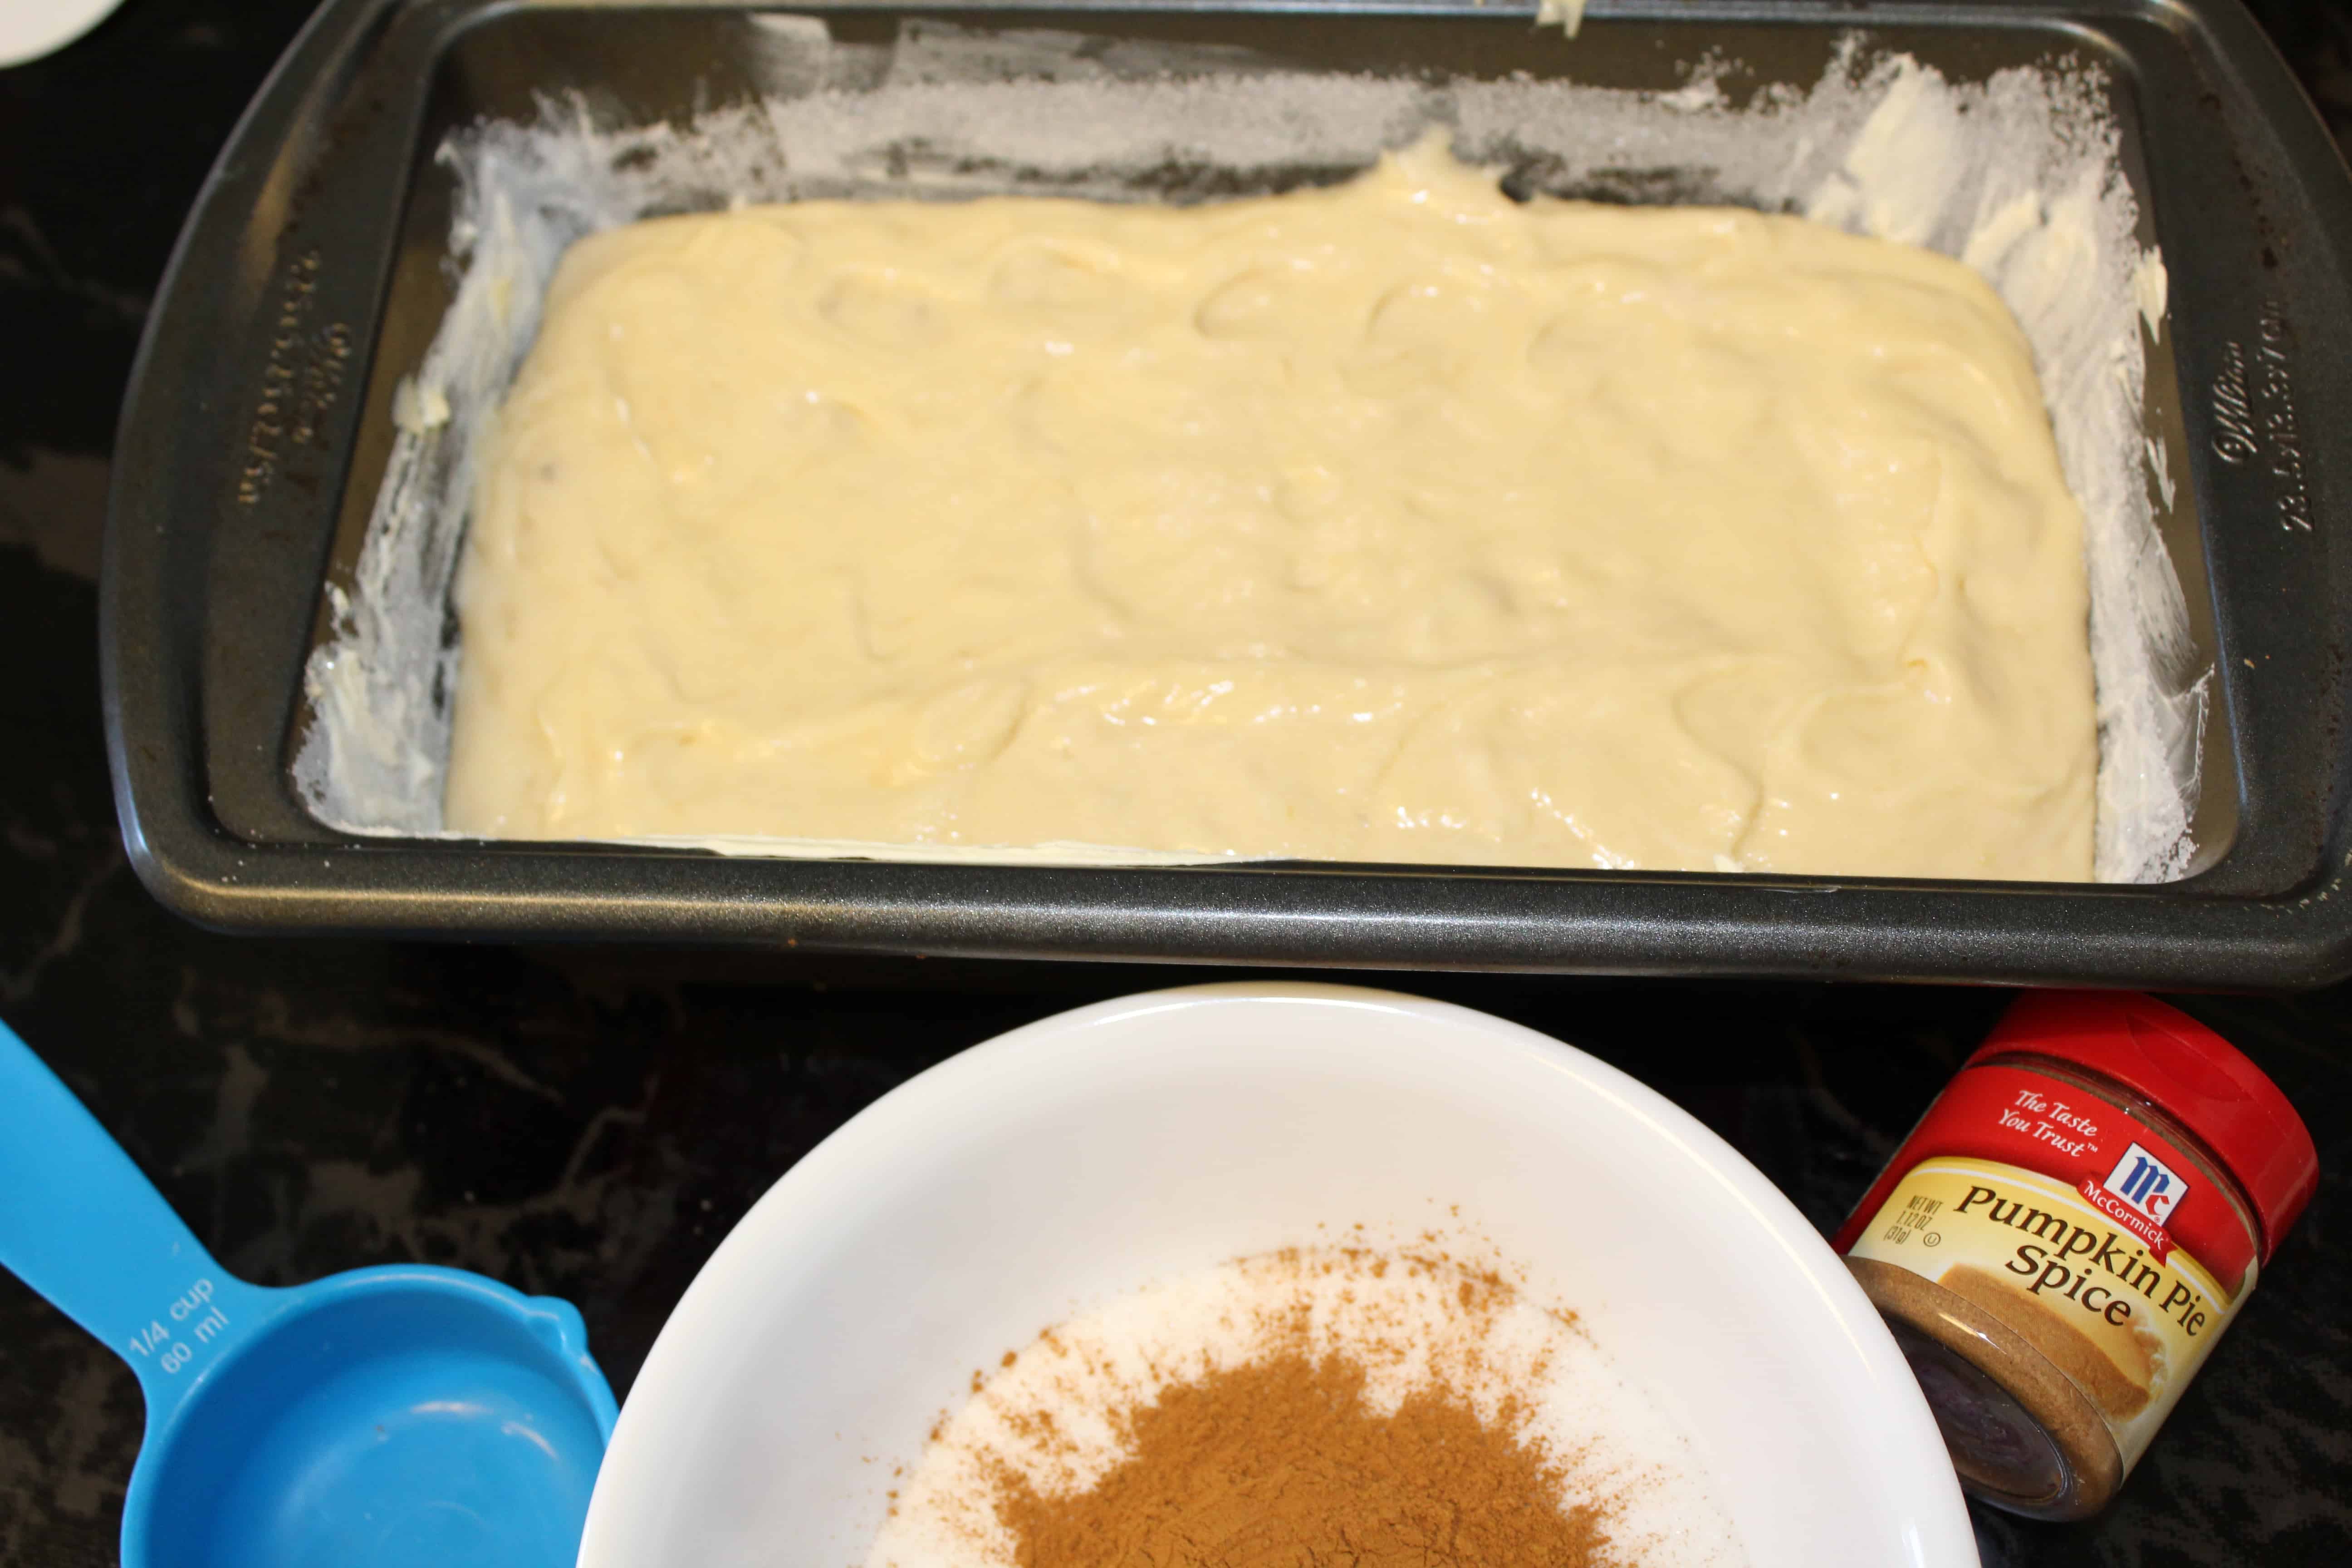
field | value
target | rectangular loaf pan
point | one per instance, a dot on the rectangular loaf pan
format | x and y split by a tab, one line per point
314	272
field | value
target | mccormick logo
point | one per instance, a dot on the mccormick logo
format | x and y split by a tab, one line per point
2127	1212
2147	1184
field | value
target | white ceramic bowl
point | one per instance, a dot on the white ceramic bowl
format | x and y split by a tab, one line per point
1083	1156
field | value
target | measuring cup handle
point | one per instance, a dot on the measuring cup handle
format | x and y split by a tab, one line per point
82	1227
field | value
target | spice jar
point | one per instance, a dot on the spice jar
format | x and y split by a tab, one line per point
2067	1231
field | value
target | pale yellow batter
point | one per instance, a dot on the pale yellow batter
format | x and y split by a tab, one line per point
1396	522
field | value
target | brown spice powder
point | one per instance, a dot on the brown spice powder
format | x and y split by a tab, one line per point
2071	1470
2119	1377
1281	1463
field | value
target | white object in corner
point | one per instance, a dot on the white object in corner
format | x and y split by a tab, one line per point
31	29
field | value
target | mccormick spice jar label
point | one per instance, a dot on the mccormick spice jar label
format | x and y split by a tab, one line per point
2083	1229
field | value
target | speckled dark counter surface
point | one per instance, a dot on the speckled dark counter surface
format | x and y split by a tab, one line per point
590	1123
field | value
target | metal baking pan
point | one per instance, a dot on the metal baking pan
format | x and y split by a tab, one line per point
311	276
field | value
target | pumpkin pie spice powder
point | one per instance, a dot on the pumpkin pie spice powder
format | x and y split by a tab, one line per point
1285	1456
1282	1464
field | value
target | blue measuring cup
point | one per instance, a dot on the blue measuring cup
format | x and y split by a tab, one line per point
383	1418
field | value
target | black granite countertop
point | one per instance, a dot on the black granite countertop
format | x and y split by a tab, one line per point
590	1122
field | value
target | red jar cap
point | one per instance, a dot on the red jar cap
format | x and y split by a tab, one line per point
2202	1079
